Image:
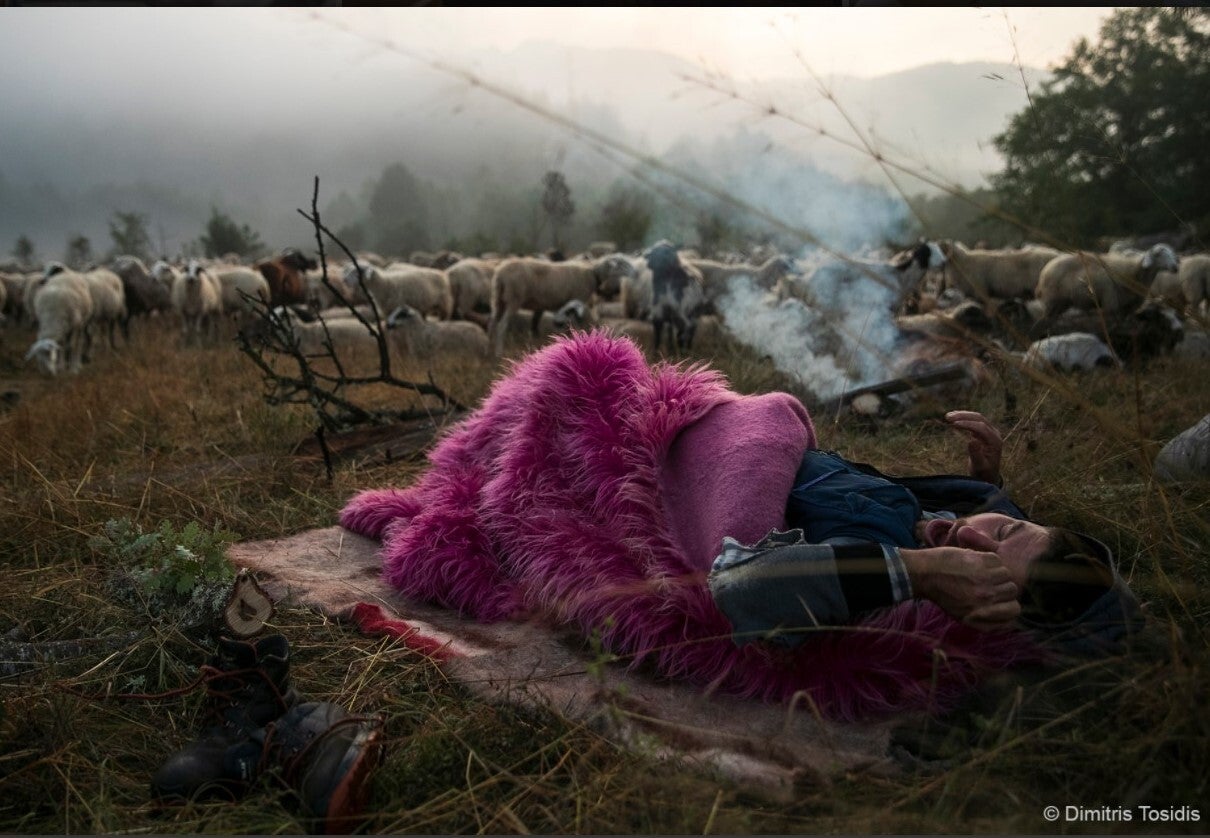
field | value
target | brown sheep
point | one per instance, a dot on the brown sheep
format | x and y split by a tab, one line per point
286	275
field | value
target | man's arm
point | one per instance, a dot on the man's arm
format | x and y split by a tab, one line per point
782	588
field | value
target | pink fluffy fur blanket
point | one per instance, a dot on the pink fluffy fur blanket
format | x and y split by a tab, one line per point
593	489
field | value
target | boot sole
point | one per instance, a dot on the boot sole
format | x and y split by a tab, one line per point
348	799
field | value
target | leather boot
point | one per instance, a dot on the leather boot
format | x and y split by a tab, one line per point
248	687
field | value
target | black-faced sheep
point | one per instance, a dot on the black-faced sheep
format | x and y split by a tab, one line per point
423	339
678	296
539	286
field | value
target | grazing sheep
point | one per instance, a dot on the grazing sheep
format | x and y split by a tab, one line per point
678	296
425	289
108	298
832	285
145	294
541	286
285	275
63	310
1073	351
316	336
194	297
423	339
471	289
1110	282
1002	274
1186	456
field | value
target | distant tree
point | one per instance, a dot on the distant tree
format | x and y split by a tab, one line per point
223	235
626	217
717	229
129	233
1116	142
79	252
399	218
960	217
557	204
353	235
24	250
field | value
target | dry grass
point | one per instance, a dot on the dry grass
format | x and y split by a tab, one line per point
156	432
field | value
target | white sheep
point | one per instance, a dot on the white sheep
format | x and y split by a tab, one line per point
63	309
195	298
541	286
425	289
241	290
471	288
321	296
108	300
1111	282
423	339
1002	274
1072	351
344	334
1186	456
1189	287
108	297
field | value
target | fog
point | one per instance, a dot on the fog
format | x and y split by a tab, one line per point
169	112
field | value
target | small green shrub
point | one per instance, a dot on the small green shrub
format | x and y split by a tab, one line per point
181	575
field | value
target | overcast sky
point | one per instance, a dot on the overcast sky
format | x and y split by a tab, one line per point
756	41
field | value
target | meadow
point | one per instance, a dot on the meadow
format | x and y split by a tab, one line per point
155	432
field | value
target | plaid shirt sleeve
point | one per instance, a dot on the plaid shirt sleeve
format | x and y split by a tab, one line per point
781	588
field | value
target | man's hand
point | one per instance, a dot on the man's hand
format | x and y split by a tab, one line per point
969	585
985	444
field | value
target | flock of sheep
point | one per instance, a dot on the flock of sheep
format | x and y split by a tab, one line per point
1054	307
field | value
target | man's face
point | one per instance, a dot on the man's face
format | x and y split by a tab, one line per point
1017	543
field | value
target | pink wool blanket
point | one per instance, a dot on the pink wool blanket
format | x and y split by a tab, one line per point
592	489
